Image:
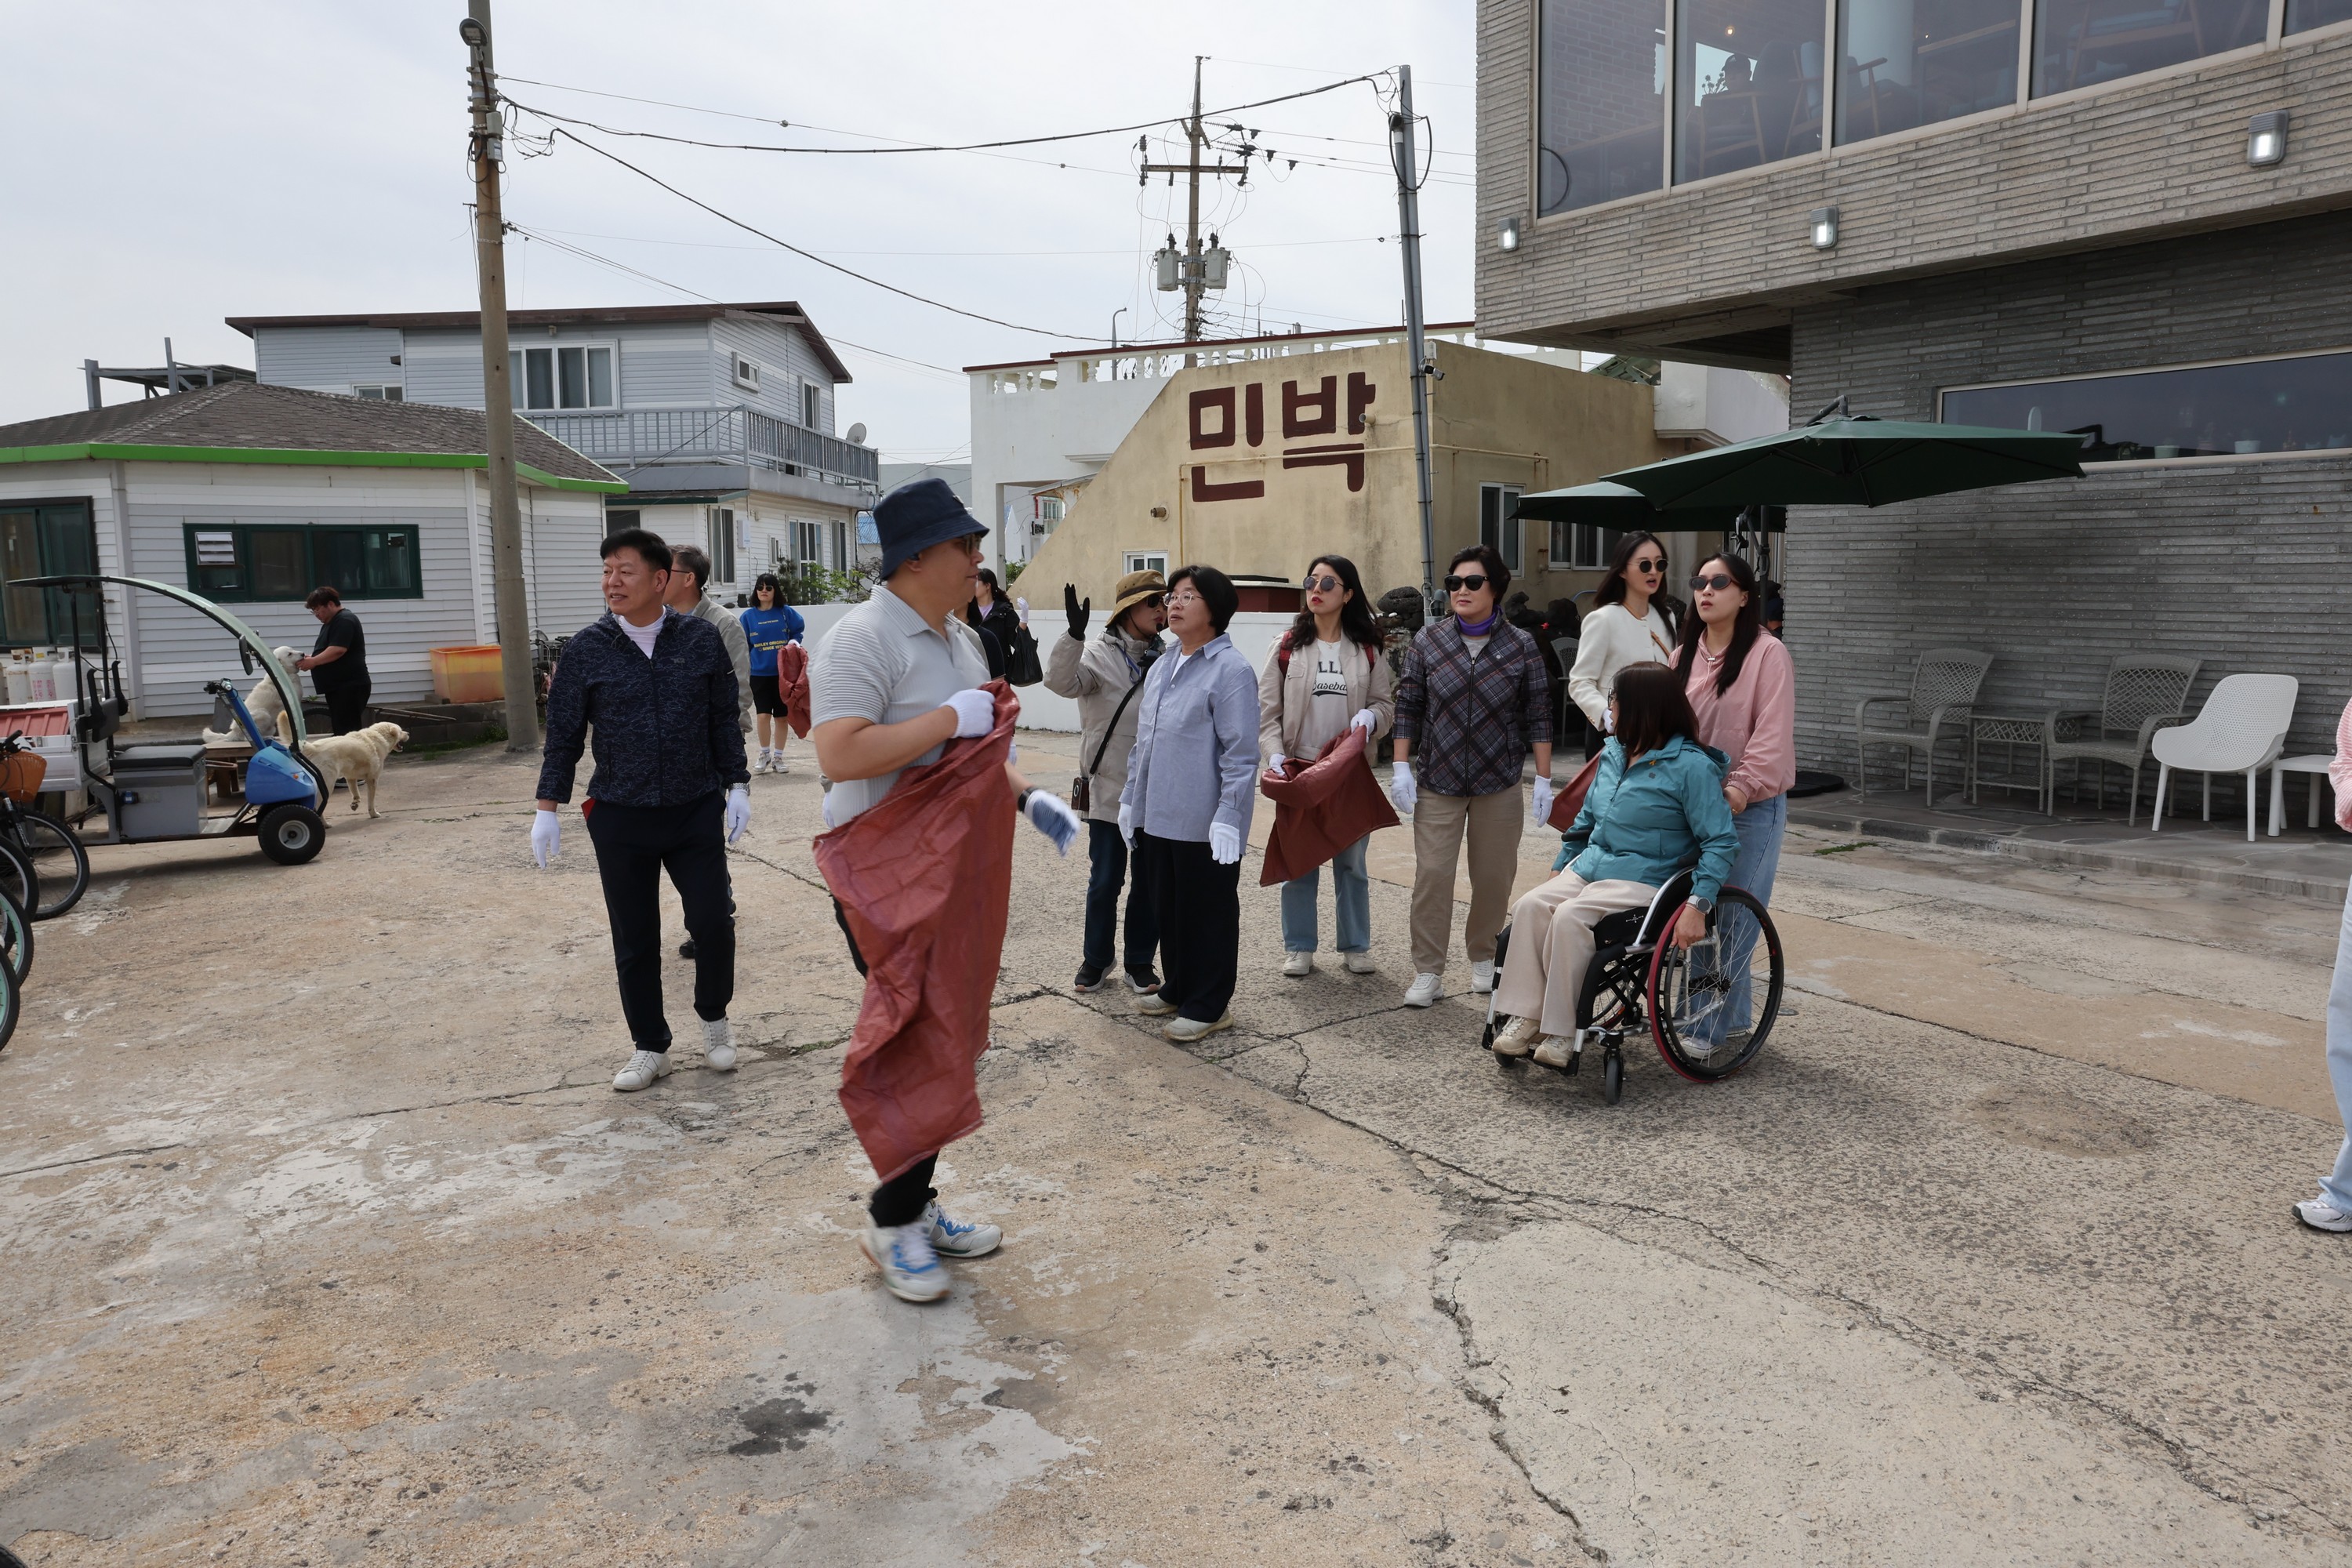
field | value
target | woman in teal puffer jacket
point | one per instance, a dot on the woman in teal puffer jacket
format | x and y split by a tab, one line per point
1655	805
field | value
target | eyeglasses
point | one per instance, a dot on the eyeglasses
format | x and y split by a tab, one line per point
1646	564
1717	581
1182	596
1320	584
1473	581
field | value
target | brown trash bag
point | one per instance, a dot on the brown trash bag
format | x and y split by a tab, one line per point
1570	799
924	881
1320	810
792	686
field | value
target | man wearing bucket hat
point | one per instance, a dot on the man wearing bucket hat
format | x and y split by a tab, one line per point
896	679
1104	677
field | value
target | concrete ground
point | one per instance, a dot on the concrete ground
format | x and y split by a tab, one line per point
329	1243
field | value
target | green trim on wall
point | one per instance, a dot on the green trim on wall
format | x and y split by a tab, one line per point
123	452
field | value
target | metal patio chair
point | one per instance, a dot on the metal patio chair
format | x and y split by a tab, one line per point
2145	692
1936	709
2242	729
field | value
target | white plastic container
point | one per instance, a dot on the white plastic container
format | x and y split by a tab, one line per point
19	678
42	685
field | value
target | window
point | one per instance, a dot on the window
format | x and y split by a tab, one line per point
45	539
808	544
722	544
2301	16
1915	62
1601	112
2298	403
812	410
2078	43
567	376
1147	560
1496	527
381	394
618	517
244	562
746	372
1583	546
1747	76
840	545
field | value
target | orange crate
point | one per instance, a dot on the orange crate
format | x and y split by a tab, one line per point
468	674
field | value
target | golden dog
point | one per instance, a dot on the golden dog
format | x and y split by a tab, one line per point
357	758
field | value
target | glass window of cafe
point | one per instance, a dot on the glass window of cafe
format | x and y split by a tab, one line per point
1601	116
2301	403
1748	83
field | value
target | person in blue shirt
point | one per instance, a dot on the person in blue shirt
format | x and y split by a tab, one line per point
768	625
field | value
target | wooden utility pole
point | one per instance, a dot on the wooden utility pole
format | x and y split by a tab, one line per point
1191	270
1405	153
512	601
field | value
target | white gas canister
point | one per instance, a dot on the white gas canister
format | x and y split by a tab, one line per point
43	684
19	682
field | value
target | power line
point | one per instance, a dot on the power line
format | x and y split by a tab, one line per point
1124	250
812	255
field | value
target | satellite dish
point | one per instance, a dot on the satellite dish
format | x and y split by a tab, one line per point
858	435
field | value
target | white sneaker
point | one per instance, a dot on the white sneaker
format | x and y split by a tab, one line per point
911	1270
760	766
778	765
1517	1038
950	1239
1153	1002
2318	1214
1482	976
1360	962
1295	964
1424	991
1554	1051
1182	1030
643	1069
719	1044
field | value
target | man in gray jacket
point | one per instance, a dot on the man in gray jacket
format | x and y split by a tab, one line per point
1106	677
689	596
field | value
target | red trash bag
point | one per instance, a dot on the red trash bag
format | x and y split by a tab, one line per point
1320	810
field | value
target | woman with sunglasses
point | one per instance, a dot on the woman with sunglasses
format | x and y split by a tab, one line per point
768	625
1632	624
1472	693
1743	689
1328	674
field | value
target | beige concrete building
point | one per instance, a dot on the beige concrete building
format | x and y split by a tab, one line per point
1254	466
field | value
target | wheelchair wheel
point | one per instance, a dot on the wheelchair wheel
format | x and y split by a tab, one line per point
1613	1077
1712	1008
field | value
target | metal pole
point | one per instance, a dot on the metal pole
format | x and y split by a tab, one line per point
1404	156
90	381
171	368
1193	282
519	679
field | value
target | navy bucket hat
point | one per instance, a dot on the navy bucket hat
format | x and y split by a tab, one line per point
917	515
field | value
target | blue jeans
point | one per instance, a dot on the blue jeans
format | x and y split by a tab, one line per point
1351	891
1758	862
1107	853
2337	1186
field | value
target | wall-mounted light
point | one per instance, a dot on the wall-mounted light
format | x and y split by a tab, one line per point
1823	226
1507	233
2267	139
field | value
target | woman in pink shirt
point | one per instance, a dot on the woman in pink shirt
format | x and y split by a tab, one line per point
1744	691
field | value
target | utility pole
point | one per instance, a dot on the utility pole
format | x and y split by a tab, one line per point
1403	151
521	681
1193	270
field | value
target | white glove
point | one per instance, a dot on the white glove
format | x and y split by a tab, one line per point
1021	610
739	811
975	712
825	809
1050	815
1225	843
1273	763
1127	824
1365	721
1542	807
546	837
1401	787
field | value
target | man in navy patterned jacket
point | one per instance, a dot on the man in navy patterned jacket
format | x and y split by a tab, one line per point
656	690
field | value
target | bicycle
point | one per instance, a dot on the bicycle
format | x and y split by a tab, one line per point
53	855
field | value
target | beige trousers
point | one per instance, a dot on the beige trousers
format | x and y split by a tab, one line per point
1439	822
1551	946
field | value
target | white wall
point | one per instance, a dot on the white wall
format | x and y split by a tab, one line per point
1041	435
1719	407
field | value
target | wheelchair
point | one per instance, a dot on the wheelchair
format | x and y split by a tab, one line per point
1691	1001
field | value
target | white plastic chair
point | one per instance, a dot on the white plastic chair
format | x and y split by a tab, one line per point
2241	730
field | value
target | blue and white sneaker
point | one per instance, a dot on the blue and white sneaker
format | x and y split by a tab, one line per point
950	1239
903	1253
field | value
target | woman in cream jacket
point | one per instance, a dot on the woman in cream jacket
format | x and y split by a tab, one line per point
1631	625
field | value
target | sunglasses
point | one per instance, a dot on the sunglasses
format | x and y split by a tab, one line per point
1646	564
1320	584
1719	582
1154	602
1474	583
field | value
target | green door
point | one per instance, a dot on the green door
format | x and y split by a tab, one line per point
45	539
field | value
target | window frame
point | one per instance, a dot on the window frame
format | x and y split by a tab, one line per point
719	528
1601	537
53	599
520	378
385	391
1510	532
812	406
310	532
1143	560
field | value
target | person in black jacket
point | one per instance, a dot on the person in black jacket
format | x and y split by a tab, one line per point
996	619
656	690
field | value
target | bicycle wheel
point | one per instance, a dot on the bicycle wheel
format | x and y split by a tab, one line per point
60	865
16	879
1712	1006
11	1004
15	937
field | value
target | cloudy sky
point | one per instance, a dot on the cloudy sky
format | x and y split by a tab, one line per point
168	164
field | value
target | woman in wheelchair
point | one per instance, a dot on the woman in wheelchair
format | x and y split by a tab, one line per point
1655	805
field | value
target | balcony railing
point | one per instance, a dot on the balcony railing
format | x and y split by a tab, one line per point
626	438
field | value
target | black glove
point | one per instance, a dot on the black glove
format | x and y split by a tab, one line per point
1075	610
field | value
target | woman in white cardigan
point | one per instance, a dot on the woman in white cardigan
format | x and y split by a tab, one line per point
1631	625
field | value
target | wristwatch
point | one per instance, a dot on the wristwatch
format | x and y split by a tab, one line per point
1020	801
1704	906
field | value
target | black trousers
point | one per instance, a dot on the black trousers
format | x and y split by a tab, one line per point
347	705
1200	905
1109	867
635	844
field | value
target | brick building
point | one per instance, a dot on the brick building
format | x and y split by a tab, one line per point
2131	218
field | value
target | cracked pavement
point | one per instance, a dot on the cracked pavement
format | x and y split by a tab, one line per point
332	1242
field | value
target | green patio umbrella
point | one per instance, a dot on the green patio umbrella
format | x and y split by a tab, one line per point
1854	460
1605	505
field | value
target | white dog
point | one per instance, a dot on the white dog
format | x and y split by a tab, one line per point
357	758
267	708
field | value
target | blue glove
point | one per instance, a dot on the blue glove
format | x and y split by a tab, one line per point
1051	816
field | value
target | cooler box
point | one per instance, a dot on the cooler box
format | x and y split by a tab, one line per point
160	790
468	674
